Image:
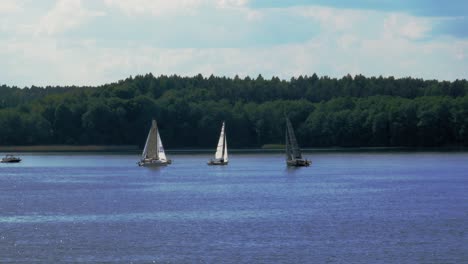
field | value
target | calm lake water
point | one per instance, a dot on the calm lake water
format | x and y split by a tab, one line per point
345	208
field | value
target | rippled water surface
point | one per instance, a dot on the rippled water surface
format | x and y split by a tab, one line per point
345	208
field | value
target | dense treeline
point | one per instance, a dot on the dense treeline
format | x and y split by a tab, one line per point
13	96
349	112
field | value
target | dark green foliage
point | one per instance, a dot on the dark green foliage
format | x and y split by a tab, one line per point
348	112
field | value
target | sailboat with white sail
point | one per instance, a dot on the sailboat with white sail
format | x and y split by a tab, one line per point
221	155
293	152
153	153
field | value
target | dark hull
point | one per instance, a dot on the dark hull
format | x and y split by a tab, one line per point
10	159
298	163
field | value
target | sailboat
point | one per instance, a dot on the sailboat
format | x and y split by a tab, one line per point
293	153
221	155
153	153
10	158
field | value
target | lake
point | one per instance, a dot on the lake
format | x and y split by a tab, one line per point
391	207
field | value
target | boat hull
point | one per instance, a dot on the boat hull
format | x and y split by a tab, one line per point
11	161
154	163
215	162
298	163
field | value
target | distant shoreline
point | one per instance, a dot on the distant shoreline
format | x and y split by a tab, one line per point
135	149
70	148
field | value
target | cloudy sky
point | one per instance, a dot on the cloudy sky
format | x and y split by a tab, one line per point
92	42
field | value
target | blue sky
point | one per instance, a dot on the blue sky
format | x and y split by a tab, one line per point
92	42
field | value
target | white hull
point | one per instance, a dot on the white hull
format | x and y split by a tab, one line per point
153	163
217	162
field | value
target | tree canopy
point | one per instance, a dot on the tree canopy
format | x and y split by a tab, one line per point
326	112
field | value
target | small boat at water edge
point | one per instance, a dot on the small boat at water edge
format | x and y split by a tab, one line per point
221	155
293	152
153	153
10	158
298	163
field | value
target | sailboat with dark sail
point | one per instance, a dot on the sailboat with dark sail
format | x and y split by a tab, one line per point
293	153
221	155
153	153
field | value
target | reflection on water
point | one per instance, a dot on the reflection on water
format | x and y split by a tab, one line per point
218	215
345	208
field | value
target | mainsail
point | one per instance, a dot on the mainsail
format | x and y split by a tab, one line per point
225	148
160	148
151	147
288	146
221	149
292	148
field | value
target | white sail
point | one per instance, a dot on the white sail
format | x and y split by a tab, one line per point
160	148
150	150
225	149
153	153
220	147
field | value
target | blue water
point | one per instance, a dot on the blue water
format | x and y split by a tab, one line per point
345	208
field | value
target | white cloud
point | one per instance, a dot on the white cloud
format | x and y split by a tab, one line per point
47	62
460	51
253	15
231	3
401	25
9	6
65	15
460	54
345	41
166	7
332	19
154	7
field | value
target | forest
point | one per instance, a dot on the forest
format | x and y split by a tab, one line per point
352	111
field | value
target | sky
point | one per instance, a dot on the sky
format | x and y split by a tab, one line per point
93	42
